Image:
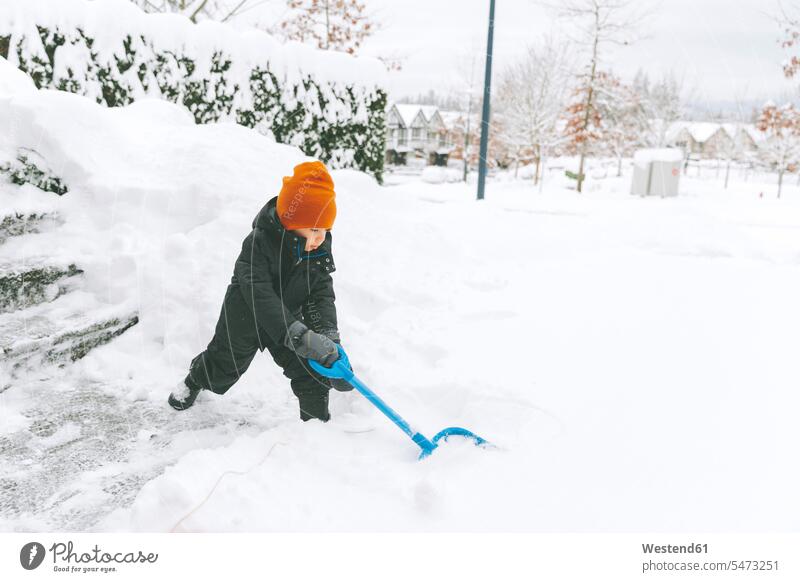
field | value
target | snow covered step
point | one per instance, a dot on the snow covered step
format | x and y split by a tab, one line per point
59	332
30	167
22	222
35	281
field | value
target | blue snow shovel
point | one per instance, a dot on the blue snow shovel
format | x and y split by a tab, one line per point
341	369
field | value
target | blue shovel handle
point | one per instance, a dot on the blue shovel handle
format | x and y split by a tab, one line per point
341	369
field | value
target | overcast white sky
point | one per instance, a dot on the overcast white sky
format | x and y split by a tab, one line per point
725	49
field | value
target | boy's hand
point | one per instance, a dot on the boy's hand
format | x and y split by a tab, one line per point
310	344
331	333
339	384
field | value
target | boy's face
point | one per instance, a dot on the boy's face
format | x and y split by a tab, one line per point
314	237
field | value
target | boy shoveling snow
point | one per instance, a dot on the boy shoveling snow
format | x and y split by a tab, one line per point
280	298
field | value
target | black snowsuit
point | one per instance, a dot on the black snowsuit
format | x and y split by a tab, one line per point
275	283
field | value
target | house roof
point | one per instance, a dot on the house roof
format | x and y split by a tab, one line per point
428	111
450	117
753	132
408	112
453	118
730	129
673	130
701	131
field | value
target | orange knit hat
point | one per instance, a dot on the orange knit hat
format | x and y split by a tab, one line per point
307	199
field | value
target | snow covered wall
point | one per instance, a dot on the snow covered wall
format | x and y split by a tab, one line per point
328	104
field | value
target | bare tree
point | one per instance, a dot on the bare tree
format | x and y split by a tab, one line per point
464	130
593	25
734	150
623	117
531	97
663	104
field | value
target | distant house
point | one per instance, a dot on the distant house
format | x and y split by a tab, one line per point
703	139
748	139
452	118
418	131
457	126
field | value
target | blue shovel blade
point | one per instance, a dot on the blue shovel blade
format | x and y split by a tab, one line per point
454	431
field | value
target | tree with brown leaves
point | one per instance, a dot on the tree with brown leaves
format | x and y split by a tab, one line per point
781	146
340	25
593	25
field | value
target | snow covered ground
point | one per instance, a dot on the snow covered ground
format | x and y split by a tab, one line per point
634	360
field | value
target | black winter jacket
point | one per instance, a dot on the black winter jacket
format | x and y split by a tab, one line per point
282	283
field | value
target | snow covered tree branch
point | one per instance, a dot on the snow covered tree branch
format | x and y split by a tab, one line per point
195	10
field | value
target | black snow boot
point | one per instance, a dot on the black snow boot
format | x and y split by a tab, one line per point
183	396
313	404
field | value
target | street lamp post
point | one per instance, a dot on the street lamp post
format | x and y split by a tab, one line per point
487	89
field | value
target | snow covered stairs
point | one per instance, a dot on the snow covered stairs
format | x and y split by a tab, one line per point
59	332
22	286
45	316
18	223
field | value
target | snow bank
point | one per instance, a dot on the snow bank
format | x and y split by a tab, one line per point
12	80
150	192
439	175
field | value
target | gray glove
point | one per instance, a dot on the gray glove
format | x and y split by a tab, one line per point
339	384
310	344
